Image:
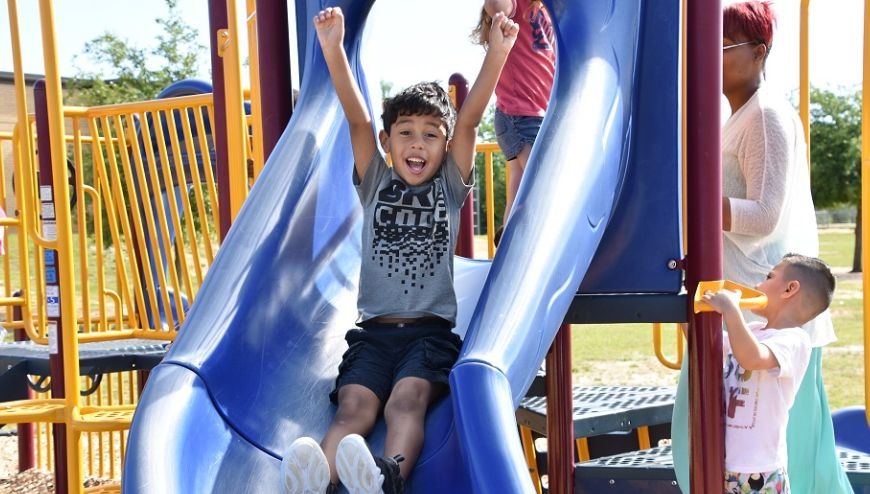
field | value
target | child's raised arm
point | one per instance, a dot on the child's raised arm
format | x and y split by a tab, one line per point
749	352
493	7
501	39
329	24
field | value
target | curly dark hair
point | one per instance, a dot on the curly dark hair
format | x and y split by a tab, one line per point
424	98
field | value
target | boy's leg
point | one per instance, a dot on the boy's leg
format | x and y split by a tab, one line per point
358	409
404	414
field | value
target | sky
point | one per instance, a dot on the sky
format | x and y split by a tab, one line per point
399	48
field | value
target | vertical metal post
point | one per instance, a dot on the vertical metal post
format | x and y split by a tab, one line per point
560	414
865	202
26	443
217	21
704	232
273	41
465	242
51	259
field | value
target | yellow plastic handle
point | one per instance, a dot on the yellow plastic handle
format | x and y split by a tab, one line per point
750	298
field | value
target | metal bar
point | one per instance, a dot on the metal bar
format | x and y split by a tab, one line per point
560	416
704	235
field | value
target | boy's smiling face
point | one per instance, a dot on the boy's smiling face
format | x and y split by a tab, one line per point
417	145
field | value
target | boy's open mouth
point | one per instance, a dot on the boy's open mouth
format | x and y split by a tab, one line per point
415	165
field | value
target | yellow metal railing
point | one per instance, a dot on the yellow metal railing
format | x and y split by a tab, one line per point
131	252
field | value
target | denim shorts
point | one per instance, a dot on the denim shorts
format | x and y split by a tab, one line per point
514	132
379	355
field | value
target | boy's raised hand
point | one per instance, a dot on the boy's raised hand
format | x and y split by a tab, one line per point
503	34
329	24
722	300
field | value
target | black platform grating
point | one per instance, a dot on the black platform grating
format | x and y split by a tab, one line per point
602	409
94	357
658	463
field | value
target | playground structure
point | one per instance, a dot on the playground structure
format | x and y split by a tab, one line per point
293	240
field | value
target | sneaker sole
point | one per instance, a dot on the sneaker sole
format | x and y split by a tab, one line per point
304	468
356	466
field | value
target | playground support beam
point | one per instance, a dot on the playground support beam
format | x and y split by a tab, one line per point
465	244
273	45
865	201
67	339
704	259
217	21
560	414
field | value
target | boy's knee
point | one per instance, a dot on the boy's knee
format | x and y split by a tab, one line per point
405	405
409	398
354	400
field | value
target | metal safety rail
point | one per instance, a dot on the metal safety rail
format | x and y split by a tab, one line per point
144	236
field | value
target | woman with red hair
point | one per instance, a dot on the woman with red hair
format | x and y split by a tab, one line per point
767	212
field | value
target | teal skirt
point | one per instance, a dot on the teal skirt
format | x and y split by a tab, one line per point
813	463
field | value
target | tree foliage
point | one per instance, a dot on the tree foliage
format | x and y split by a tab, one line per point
835	147
125	72
835	153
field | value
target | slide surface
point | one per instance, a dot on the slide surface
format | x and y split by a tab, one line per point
259	350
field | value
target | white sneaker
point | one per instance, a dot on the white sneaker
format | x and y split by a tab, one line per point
356	466
304	468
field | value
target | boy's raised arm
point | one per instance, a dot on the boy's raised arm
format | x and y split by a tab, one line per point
501	39
329	24
749	352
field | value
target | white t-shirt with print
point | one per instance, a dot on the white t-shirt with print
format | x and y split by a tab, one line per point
757	402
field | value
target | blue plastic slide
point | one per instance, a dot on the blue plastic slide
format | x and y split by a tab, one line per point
258	353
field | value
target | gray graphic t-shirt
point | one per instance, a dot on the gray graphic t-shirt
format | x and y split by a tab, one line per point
408	239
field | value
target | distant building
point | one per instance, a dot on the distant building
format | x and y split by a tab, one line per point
8	117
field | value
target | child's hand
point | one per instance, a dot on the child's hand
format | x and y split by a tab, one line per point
503	33
723	300
329	24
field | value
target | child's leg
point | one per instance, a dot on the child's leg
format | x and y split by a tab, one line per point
517	166
358	409
404	414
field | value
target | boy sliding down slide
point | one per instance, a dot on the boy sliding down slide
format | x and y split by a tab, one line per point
400	355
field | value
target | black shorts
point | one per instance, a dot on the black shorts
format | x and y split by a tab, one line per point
379	355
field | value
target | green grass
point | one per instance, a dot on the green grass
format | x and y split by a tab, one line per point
836	246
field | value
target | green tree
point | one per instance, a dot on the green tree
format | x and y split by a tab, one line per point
124	72
835	153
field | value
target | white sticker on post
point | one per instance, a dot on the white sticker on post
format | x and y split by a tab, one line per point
48	210
45	193
52	300
49	230
52	337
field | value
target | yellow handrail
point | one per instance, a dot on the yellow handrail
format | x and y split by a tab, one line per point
865	202
237	135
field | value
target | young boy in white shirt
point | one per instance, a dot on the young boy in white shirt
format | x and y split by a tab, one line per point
764	366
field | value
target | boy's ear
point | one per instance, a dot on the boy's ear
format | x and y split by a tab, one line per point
791	288
385	140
